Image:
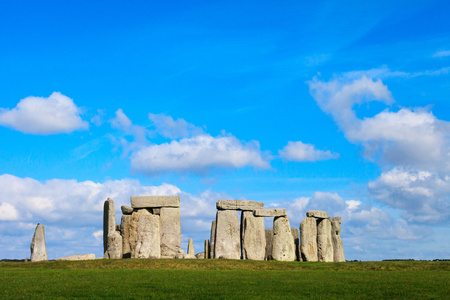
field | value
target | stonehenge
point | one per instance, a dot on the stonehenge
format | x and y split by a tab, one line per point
151	228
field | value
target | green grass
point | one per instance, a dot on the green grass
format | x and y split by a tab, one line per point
140	278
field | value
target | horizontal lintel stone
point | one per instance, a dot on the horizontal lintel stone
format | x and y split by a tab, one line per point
270	212
239	205
317	214
154	201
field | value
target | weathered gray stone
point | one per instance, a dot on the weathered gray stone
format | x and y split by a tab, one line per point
317	214
239	205
200	255
154	201
114	250
227	243
324	244
148	238
125	231
190	249
270	212
126	210
109	222
38	246
308	239
78	257
213	239
338	247
283	241
170	231
296	236
207	249
253	236
269	244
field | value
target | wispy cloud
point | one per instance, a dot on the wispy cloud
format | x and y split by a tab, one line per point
298	151
442	53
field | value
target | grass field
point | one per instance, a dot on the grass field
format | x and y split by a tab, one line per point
140	278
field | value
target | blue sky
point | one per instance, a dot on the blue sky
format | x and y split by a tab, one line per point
339	106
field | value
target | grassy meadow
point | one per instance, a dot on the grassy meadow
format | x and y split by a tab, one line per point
188	279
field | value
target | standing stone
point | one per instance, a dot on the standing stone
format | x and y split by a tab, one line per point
239	205
308	239
338	247
269	244
283	241
324	244
190	249
170	231
227	243
114	246
109	222
125	230
253	236
207	249
148	239
213	239
38	247
296	236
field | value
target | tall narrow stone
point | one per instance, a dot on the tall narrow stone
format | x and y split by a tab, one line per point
114	246
269	244
170	231
308	239
338	247
227	243
109	222
190	249
38	246
125	230
296	236
207	249
148	239
253	236
213	239
324	244
283	241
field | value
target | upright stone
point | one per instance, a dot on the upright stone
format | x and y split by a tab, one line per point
109	222
308	239
296	236
253	236
170	231
114	246
190	249
283	241
269	244
207	249
213	239
324	244
239	205
227	243
148	239
38	247
338	247
125	230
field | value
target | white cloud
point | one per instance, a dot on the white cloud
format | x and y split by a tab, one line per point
423	195
298	151
8	212
39	115
198	154
443	53
409	137
173	129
